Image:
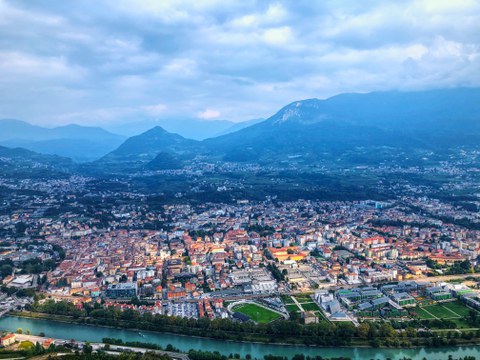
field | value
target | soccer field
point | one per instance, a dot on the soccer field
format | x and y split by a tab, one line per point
450	310
257	313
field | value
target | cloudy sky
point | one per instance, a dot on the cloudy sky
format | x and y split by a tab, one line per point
102	62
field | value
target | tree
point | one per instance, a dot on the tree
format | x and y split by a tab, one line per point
363	330
6	270
20	228
87	349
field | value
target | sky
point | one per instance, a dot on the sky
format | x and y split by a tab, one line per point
107	62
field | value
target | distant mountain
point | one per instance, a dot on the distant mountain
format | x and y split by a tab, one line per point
348	128
239	126
80	143
164	161
314	129
142	149
194	129
18	163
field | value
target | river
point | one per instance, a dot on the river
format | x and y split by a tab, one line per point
80	332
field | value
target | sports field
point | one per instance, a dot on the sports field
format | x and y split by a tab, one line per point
305	301
455	311
257	313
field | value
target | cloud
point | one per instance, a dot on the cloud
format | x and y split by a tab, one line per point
155	109
121	60
208	114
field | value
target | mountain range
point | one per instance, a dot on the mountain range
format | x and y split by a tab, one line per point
80	143
350	128
194	129
356	128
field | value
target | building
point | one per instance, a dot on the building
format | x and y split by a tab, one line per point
310	317
22	281
7	340
438	293
403	299
47	343
121	290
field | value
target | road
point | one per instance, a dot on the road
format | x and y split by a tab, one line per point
100	346
447	277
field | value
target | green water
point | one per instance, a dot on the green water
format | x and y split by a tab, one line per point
61	330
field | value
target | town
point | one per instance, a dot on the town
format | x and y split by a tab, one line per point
412	257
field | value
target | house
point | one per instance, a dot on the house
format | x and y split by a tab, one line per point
7	340
47	343
310	317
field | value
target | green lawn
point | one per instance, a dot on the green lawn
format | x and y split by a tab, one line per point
422	314
26	345
303	298
292	307
458	307
287	299
455	311
440	312
310	306
257	313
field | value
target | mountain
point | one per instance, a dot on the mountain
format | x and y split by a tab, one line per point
142	149
239	126
80	143
348	128
195	129
21	163
326	129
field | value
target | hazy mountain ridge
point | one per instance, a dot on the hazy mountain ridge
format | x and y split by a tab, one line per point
431	120
195	129
21	163
80	143
381	124
141	149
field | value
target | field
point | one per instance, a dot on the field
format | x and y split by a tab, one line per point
310	306
454	311
257	313
25	345
303	300
292	308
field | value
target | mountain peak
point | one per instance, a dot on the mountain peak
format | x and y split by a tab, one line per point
301	112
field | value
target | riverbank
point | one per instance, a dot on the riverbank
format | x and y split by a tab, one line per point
249	338
82	332
355	343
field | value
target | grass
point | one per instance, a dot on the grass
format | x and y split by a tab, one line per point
303	298
287	299
422	314
440	312
26	345
310	306
292	308
257	313
458	308
454	311
10	355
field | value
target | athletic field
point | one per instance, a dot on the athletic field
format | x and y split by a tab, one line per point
257	313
